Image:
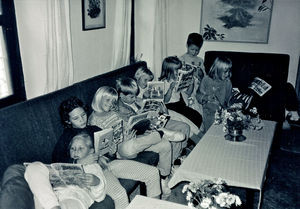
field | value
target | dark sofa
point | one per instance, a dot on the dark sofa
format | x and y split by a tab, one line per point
30	129
272	68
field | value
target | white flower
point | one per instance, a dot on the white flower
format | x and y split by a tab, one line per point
230	199
205	202
189	196
231	118
184	189
212	207
237	200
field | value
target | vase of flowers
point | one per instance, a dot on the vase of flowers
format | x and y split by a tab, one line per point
234	121
208	194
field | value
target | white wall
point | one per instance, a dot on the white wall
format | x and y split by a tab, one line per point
92	50
284	31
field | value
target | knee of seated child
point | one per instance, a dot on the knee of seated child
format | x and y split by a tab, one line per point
127	149
165	146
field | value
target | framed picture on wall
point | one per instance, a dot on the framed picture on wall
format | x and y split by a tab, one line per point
236	21
93	14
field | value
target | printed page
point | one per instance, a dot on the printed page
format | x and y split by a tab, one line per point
185	79
260	86
156	90
103	141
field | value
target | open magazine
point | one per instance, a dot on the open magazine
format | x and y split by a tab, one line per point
107	139
156	90
184	79
153	105
238	97
259	86
103	142
147	121
63	174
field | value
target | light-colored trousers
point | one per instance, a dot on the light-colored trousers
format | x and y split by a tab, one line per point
129	169
182	127
149	142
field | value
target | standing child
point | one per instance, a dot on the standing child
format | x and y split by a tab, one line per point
215	90
104	116
71	196
74	117
173	99
193	45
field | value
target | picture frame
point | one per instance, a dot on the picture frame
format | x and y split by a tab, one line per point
236	21
93	14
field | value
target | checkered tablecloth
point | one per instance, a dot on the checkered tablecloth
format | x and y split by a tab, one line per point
240	164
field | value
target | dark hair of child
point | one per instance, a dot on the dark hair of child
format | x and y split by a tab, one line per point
68	106
195	39
127	86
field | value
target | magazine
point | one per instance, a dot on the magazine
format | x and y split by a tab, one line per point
156	90
238	97
153	105
184	80
260	86
147	121
103	142
118	135
63	174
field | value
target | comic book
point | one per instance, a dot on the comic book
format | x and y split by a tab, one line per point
153	105
156	90
260	86
103	141
118	134
63	174
238	97
184	79
147	121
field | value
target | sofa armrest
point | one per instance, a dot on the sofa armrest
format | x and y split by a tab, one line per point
15	192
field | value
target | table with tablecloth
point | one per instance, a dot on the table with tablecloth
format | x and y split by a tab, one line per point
240	164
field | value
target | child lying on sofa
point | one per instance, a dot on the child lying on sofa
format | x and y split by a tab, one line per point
70	196
74	118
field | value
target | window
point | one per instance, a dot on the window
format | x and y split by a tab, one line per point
12	88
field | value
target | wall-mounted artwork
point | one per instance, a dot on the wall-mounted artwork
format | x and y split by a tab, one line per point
93	14
236	20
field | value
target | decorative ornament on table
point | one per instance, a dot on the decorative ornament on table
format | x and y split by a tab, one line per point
208	194
235	120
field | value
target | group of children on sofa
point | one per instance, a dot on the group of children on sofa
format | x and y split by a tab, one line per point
112	104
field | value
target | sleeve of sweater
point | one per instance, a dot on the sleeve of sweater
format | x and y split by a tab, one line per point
97	192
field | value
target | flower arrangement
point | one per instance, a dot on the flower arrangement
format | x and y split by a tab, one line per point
233	118
210	194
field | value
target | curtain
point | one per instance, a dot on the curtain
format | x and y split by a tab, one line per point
151	18
160	36
121	34
59	62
